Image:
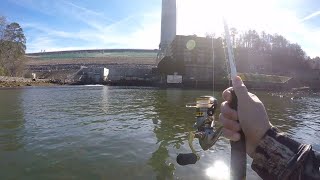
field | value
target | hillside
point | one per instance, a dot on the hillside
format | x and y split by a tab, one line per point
125	56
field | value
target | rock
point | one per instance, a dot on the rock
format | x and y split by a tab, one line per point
301	89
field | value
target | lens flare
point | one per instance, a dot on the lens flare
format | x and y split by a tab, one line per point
191	44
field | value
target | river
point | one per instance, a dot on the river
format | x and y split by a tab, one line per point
103	132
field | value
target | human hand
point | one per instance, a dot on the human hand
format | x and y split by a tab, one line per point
251	114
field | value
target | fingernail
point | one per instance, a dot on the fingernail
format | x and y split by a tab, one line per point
237	81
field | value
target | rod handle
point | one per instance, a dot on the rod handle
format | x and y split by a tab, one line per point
238	149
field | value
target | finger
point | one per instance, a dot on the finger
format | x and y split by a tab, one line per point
227	94
228	112
232	135
229	124
239	88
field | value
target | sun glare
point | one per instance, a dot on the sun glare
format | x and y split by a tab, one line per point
205	16
219	170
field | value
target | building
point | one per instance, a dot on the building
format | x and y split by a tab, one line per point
94	74
200	59
195	53
168	27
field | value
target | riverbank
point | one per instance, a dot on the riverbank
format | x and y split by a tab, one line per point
6	81
9	82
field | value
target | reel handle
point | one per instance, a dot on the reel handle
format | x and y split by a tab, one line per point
238	149
186	159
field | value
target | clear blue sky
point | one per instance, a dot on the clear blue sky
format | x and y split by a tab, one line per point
88	24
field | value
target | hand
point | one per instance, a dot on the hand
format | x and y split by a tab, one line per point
251	114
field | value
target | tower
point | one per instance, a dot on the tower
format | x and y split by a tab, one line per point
168	27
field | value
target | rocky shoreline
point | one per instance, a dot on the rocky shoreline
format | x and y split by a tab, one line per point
6	81
13	82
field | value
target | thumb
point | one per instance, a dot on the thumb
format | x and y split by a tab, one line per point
239	88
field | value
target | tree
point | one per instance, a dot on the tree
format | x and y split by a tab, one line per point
220	63
12	48
234	32
3	23
14	33
210	35
266	53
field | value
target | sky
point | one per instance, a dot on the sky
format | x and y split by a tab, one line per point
54	25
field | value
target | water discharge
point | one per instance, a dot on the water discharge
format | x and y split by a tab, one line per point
101	132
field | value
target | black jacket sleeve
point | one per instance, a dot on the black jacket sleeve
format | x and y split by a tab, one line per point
279	157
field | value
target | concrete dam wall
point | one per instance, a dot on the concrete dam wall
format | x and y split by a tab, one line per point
117	72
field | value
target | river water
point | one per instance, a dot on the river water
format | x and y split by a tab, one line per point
101	132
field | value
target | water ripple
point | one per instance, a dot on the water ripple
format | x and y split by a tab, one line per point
94	132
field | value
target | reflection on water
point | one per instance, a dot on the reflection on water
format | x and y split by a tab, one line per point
170	127
100	132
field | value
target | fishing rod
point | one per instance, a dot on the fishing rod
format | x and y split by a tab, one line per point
206	130
238	149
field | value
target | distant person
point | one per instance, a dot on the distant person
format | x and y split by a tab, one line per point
275	156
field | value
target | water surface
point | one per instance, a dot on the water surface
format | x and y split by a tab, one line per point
101	132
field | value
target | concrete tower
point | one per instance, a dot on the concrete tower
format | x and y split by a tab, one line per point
168	26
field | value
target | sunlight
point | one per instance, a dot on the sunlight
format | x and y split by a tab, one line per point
219	170
205	16
202	17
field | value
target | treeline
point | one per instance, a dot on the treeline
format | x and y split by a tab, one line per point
12	48
271	54
255	52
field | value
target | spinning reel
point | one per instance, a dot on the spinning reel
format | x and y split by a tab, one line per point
206	131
